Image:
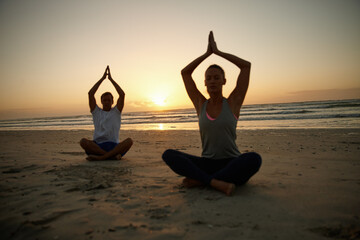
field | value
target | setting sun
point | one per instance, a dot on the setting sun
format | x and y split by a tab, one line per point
159	100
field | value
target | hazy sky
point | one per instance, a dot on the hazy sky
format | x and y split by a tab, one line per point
53	52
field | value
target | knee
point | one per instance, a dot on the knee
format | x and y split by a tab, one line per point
84	142
256	160
167	155
129	142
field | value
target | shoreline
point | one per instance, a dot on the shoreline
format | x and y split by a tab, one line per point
189	129
307	188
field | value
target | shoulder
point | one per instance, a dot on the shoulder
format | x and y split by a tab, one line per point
233	107
202	106
115	110
230	102
96	110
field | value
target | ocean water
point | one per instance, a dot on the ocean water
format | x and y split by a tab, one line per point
315	114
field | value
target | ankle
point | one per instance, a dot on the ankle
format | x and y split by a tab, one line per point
222	186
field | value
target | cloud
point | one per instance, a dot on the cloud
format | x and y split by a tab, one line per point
139	105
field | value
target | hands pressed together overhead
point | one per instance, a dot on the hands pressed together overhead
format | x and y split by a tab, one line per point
107	74
212	48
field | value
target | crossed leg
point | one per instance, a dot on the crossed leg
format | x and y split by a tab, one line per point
96	153
200	172
184	164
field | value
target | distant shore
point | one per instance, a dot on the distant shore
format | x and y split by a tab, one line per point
307	188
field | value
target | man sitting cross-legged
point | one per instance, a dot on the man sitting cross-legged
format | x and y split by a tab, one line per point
107	123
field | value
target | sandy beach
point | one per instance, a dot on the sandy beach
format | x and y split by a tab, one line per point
307	188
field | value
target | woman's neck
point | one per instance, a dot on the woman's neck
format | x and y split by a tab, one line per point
216	99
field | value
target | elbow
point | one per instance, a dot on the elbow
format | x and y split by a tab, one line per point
185	72
245	65
248	65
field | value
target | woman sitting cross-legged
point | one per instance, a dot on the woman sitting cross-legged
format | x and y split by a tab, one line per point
221	165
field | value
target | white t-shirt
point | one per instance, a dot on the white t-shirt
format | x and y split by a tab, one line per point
107	125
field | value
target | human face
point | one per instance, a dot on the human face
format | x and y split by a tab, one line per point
107	102
214	80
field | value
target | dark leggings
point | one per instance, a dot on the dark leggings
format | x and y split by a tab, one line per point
236	170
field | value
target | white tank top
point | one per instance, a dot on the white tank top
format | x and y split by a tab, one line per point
107	125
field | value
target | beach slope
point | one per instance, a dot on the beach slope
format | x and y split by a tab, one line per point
307	188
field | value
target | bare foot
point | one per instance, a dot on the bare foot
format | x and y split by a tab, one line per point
191	183
231	189
225	187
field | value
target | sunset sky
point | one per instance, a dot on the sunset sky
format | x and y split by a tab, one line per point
53	52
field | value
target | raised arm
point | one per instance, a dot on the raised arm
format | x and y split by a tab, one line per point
121	99
91	93
195	95
237	96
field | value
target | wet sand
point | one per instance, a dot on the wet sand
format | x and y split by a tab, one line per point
307	188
